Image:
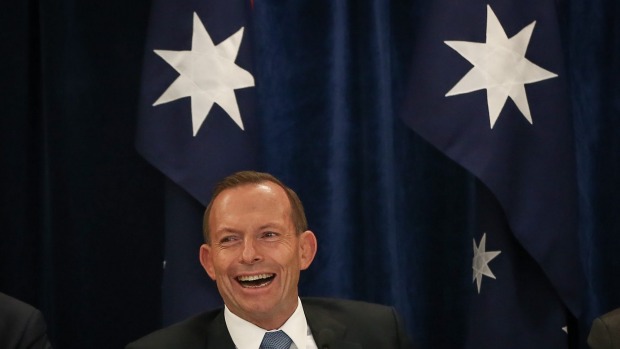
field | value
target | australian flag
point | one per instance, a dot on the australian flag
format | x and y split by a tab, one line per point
196	124
489	89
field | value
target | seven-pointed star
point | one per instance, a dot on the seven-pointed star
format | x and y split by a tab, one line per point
500	67
208	74
481	261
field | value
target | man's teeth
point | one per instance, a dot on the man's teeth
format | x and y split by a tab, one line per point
255	281
254	277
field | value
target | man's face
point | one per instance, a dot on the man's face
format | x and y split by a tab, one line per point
255	255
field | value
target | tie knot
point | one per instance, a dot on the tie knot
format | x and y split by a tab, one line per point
276	340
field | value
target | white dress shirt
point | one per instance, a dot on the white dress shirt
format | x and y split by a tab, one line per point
246	335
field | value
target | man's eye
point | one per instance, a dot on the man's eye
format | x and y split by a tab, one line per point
228	240
270	234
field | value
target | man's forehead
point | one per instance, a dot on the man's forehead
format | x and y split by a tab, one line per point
261	188
267	191
248	199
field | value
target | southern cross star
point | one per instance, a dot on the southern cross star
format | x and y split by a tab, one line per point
481	261
208	74
500	67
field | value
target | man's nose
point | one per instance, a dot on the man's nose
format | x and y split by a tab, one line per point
250	254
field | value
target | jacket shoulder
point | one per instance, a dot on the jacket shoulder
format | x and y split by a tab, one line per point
21	324
605	331
612	317
15	310
189	333
374	325
346	307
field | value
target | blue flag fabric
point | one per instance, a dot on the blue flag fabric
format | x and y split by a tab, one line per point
197	104
196	125
513	304
488	88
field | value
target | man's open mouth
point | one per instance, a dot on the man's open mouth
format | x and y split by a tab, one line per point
253	281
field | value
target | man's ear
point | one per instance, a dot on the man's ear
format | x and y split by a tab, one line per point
205	260
307	249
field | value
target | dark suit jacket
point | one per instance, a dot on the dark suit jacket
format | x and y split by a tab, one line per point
605	332
21	325
335	324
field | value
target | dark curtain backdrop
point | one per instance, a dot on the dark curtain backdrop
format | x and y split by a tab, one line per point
81	212
83	216
389	211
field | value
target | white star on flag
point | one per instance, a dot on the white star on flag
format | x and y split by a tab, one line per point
208	74
481	261
500	67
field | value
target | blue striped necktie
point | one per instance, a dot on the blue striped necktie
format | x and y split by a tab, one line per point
276	340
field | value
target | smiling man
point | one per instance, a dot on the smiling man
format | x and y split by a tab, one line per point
256	244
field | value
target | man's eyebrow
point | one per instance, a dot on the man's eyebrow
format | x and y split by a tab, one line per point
230	230
270	226
226	230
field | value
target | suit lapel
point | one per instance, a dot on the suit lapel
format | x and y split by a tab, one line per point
218	336
327	331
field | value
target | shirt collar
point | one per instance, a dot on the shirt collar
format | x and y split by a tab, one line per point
246	335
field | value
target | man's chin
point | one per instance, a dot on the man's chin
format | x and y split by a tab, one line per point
259	308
